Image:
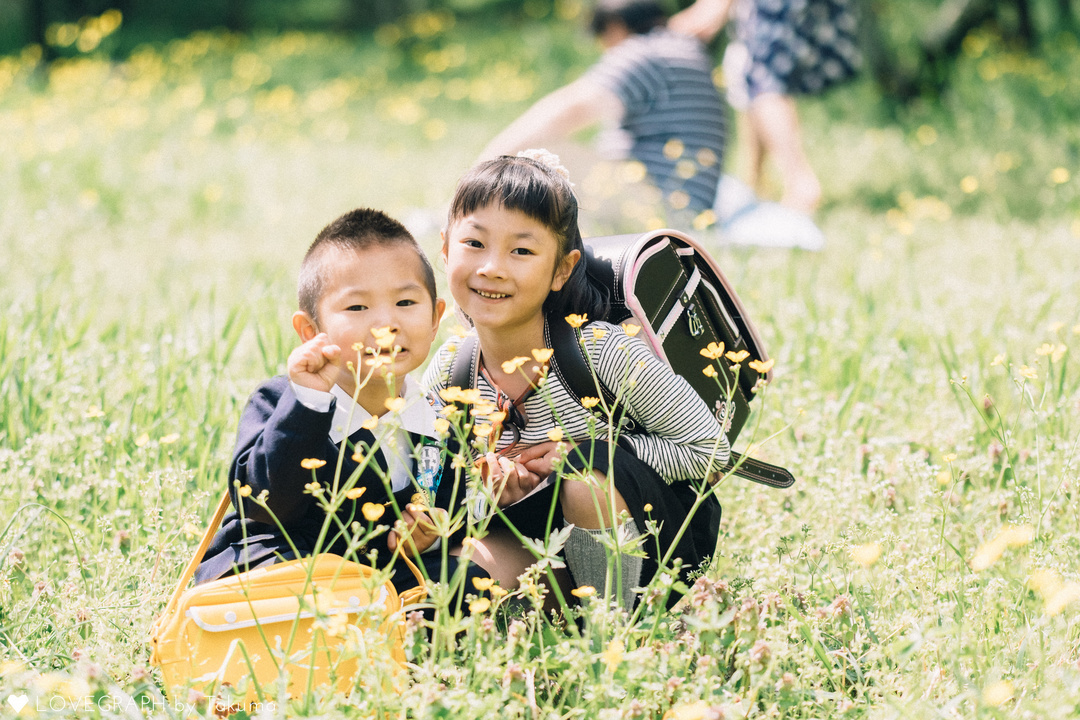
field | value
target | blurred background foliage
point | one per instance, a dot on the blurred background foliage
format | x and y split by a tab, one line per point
911	46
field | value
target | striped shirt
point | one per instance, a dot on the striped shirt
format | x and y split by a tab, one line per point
682	439
673	112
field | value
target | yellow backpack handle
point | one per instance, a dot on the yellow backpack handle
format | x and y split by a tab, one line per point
208	537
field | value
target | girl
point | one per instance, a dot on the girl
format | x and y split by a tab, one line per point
513	256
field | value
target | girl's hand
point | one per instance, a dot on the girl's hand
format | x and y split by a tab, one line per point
541	459
508	481
312	364
415	528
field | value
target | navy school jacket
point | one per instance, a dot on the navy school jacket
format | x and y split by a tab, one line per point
276	433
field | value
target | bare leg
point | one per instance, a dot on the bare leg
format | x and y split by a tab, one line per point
775	121
580	500
505	559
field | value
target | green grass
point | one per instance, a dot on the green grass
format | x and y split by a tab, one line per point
152	216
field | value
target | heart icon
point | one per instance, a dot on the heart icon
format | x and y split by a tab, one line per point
18	702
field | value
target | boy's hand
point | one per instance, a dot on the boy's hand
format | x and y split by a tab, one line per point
312	364
508	481
541	459
415	528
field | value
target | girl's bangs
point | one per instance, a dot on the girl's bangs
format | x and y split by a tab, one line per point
517	185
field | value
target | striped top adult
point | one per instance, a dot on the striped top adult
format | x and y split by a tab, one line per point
682	440
673	112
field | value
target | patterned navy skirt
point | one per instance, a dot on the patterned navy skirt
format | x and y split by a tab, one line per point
796	47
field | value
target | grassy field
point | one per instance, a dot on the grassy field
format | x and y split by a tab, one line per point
152	216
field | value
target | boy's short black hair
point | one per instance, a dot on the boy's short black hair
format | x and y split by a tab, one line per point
639	16
358	229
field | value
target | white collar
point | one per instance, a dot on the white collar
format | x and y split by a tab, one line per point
418	417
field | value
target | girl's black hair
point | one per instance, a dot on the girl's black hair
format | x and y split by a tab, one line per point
639	16
540	192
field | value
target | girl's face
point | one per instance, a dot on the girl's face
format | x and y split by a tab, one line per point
501	264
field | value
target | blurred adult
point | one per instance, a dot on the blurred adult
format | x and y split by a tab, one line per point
652	84
782	49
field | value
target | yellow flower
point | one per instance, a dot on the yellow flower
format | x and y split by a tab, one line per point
969	184
631	329
378	361
479	606
998	693
584	591
142	440
1017	535
542	355
949	457
709	371
1059	176
692	711
482	584
170	439
244	491
576	320
371	423
1056	326
481	430
613	655
457	395
1045	349
590	402
1059	352
647	508
355	493
1066	594
94	413
312	463
555	435
498	591
736	357
496	417
358	457
511	366
599	333
1029	372
442	425
395	405
1010	536
761	366
384	338
372	511
999	359
866	555
987	554
713	351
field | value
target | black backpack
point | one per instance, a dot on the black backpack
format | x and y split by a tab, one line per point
669	284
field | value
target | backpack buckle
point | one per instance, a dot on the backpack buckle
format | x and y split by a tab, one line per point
697	328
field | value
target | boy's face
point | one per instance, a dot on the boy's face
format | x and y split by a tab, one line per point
367	291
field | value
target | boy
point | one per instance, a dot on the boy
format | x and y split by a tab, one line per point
366	301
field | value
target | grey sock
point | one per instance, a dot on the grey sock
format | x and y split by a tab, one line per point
588	560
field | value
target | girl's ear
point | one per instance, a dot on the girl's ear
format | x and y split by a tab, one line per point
304	325
562	272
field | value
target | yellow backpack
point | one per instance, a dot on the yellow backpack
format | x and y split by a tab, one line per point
310	620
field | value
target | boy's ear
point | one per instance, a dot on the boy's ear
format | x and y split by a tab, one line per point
440	310
562	272
304	325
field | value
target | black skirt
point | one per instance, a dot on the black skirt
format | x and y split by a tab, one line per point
537	515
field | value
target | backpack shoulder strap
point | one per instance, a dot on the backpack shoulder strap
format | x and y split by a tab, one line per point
569	362
466	363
